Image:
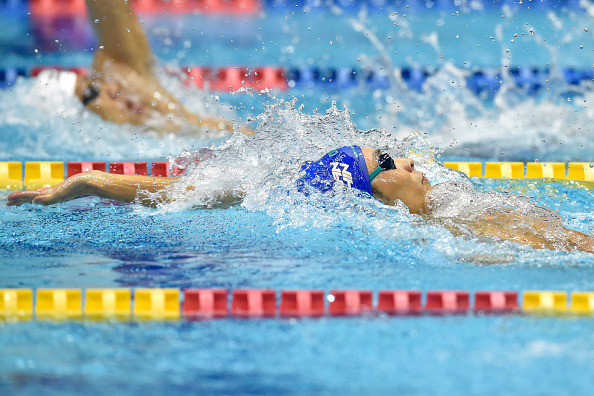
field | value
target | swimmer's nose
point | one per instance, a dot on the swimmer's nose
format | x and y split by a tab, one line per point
405	163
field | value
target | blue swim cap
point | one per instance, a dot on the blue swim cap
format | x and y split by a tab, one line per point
345	166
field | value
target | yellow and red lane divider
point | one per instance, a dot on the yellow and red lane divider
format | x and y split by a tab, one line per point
44	174
580	171
175	304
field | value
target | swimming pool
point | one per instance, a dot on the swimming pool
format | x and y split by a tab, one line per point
279	240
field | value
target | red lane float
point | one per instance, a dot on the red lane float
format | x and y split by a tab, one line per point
79	167
53	8
81	71
198	76
205	303
229	79
350	302
230	6
447	302
399	302
188	6
257	303
495	301
269	77
161	168
302	303
129	168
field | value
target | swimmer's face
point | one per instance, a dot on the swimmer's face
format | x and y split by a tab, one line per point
111	104
404	183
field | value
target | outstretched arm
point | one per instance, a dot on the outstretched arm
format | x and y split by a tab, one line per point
123	188
120	36
528	231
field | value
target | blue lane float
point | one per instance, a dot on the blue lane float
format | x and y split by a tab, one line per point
483	82
10	75
383	5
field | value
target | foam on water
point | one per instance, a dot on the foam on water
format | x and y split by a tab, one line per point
260	172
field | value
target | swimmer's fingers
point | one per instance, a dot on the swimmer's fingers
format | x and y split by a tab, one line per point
23	197
46	199
71	188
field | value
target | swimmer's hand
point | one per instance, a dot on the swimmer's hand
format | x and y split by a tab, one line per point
71	188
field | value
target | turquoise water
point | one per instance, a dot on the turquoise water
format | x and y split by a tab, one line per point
278	239
88	244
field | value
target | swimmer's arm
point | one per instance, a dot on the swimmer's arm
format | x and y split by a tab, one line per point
122	188
215	123
531	232
119	32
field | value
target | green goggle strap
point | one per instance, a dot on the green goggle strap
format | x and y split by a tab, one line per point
375	173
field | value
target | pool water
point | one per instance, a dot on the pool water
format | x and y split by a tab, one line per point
88	243
277	238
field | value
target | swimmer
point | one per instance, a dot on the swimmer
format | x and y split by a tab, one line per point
121	86
369	172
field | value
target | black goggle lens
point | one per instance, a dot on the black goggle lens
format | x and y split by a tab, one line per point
386	162
90	94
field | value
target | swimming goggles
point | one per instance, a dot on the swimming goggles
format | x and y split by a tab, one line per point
385	162
90	94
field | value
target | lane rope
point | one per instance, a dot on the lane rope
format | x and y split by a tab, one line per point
174	304
45	174
483	82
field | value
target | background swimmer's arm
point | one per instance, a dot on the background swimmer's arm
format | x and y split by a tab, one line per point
122	188
215	123
118	31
